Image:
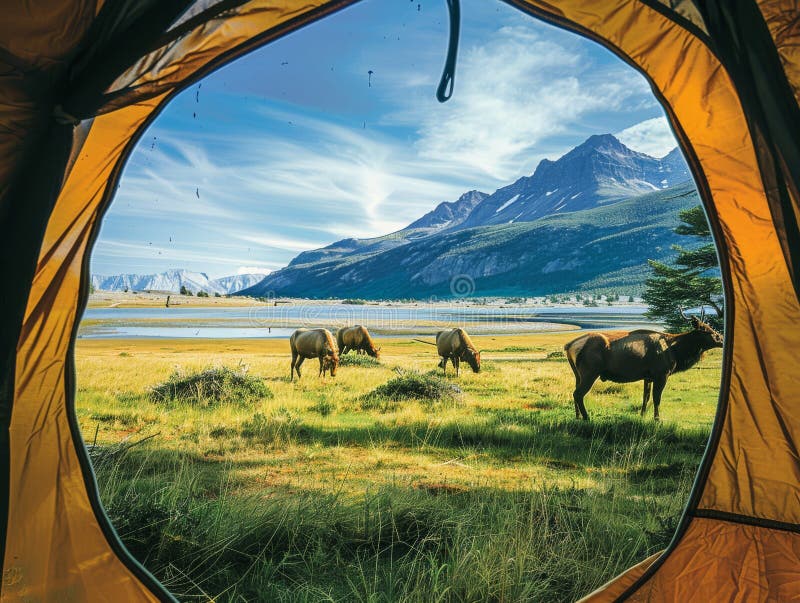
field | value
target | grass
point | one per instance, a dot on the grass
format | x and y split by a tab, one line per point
311	495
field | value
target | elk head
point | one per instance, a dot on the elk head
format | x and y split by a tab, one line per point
709	337
472	358
330	363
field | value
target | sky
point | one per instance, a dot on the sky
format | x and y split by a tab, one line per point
298	145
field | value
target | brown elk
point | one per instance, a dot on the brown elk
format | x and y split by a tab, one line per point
356	338
455	345
314	343
626	357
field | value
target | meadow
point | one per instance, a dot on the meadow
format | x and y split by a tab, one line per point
334	490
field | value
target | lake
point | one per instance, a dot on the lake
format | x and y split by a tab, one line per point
385	320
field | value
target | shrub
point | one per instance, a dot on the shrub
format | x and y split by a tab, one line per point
211	386
202	294
428	388
354	302
555	354
362	361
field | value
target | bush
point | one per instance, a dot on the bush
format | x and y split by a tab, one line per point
362	361
354	302
202	294
211	386
410	385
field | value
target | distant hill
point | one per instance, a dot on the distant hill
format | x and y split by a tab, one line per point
589	220
173	280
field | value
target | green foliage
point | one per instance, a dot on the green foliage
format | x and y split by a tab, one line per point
359	360
202	293
690	280
354	302
211	386
185	291
411	385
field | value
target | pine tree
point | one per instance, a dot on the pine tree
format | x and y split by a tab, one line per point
687	282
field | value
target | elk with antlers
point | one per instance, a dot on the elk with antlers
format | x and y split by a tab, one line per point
640	355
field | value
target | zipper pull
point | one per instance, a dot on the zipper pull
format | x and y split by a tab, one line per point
445	89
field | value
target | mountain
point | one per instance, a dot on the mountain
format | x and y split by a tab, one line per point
602	170
173	280
446	215
602	248
590	219
449	214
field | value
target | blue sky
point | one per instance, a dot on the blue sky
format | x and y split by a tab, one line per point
296	146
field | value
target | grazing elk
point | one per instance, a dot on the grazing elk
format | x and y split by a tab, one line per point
455	345
356	338
635	356
314	343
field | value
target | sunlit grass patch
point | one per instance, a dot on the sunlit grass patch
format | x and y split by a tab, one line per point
308	496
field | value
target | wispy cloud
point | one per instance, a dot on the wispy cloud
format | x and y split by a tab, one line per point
652	136
513	92
250	179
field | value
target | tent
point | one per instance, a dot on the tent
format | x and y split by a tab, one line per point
81	80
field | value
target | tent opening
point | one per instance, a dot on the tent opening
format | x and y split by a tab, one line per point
317	184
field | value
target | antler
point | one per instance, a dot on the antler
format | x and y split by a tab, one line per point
702	313
686	318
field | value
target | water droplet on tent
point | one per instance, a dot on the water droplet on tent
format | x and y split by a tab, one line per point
369	78
194	115
419	7
197	192
284	62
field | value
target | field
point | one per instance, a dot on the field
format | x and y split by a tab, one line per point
321	491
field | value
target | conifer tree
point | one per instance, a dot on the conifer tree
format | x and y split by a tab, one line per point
690	281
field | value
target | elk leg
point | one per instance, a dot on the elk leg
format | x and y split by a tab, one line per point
443	364
582	387
297	366
321	370
646	395
456	361
658	387
291	370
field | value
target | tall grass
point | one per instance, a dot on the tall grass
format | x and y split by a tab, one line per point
203	540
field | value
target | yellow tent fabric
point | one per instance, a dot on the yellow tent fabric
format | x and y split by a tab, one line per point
81	79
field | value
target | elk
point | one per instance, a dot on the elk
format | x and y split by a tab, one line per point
455	345
314	343
626	357
356	338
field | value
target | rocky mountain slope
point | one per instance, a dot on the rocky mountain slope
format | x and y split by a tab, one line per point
590	219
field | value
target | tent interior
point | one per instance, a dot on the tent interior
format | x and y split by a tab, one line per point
82	81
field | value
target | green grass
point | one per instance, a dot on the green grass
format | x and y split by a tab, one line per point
315	495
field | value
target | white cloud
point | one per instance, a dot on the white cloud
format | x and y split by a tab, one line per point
511	94
652	137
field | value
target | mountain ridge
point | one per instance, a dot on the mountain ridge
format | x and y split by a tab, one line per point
173	279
